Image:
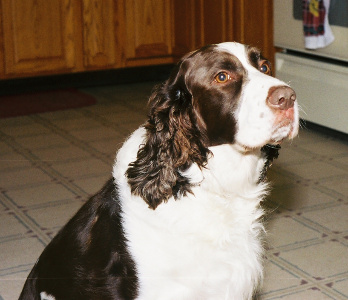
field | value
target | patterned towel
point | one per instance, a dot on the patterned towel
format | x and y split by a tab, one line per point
313	17
316	27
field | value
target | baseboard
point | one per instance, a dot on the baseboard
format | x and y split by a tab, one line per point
85	79
325	130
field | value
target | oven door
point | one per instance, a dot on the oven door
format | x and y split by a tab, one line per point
321	89
288	28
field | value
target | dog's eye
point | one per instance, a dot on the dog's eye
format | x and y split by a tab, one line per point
265	68
222	77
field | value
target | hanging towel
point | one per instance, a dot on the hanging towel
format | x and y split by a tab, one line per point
316	26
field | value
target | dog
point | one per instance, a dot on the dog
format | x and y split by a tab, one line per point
181	218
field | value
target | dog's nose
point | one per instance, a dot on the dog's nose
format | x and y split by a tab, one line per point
282	97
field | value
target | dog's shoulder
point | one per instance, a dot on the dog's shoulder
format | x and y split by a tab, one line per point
87	252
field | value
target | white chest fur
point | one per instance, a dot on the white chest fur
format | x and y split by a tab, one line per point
202	246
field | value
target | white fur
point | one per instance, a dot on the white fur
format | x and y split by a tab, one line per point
45	296
207	245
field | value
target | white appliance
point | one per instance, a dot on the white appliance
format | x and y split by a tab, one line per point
319	77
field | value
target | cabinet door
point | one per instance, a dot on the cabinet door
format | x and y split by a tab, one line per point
201	22
187	29
255	24
148	28
38	36
217	21
101	33
2	61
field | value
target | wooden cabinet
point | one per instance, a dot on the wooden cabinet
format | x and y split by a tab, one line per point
60	36
201	22
148	30
2	60
254	24
102	34
39	37
217	23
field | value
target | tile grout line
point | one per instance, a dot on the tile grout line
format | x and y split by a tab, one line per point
44	167
302	275
73	140
27	221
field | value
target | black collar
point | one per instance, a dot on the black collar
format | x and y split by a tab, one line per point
271	153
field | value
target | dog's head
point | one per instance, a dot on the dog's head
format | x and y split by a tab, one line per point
220	94
235	98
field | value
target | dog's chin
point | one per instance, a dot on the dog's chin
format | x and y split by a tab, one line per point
243	142
247	148
253	146
285	133
286	129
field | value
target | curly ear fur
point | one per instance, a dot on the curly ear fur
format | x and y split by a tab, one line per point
173	142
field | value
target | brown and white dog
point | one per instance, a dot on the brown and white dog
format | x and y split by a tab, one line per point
180	219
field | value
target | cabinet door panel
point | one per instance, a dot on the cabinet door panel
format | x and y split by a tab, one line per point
38	35
188	32
148	28
217	21
201	22
255	25
2	60
99	33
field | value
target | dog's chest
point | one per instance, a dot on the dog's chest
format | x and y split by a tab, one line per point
195	246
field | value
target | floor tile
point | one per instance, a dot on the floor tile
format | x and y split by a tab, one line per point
20	252
60	154
334	218
299	196
285	231
94	134
43	141
341	286
279	278
315	171
54	216
338	185
83	168
321	261
92	184
10	225
25	130
23	177
40	194
11	285
310	294
12	160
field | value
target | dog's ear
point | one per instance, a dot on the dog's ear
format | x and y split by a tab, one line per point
173	142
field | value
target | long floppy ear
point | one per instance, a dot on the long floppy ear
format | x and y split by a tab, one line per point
173	142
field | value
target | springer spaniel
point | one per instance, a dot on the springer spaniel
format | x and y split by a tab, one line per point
181	217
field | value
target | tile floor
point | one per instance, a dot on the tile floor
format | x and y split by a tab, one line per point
50	163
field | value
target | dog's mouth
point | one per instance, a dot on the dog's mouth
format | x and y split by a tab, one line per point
284	130
286	125
281	130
